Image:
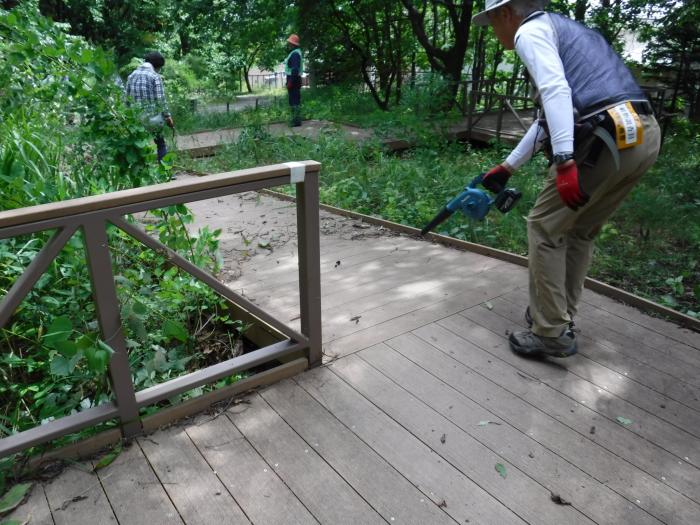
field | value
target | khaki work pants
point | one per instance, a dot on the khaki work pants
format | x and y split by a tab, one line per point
560	240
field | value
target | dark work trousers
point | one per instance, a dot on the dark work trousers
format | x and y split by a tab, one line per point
160	144
294	94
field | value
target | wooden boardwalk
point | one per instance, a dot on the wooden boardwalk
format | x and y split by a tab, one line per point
206	143
421	414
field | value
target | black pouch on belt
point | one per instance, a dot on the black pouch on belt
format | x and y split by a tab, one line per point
584	138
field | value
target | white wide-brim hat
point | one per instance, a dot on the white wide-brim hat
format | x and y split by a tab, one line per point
482	19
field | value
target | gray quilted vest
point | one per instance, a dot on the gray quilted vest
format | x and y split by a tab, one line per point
596	74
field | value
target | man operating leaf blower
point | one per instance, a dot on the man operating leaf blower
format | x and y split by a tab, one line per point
600	134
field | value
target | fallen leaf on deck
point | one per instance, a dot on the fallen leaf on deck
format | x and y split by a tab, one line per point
356	319
501	470
489	305
14	497
487	422
556	498
623	420
442	504
443	438
108	458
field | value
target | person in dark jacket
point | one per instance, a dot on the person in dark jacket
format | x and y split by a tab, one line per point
294	67
599	131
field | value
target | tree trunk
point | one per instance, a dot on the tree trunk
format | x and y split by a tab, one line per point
247	80
580	10
185	45
448	61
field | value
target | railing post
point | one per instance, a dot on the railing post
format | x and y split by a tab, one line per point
107	304
309	264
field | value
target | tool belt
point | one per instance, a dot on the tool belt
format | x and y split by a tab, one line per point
594	133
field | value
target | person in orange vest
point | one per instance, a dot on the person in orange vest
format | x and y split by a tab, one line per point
294	67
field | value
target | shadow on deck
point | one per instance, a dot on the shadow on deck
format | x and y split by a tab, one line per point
421	413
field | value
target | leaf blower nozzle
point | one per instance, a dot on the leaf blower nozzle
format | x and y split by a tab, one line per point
475	203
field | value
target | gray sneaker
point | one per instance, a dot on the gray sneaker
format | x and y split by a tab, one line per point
528	344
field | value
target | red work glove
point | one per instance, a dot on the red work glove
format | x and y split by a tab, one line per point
569	186
496	179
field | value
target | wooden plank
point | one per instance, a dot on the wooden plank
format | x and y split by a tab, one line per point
364	261
136	195
135	493
431	380
34	511
371	282
520	493
464	498
348	253
286	305
76	497
262	495
525	382
192	485
488	288
598	400
591	365
628	365
352	317
389	493
327	496
666	328
650	494
643	335
338	327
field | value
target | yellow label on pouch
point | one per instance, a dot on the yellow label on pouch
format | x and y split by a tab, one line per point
628	126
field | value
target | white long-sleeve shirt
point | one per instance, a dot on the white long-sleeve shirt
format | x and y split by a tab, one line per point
537	46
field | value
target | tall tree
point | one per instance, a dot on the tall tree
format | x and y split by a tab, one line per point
126	26
675	54
446	50
253	32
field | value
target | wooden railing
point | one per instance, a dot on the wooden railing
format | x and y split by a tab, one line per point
92	215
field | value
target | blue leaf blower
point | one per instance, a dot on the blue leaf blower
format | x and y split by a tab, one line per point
475	203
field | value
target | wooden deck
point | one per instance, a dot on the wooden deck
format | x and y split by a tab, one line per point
419	406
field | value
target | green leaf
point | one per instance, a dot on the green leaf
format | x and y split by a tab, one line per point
14	497
86	56
59	330
623	420
97	360
501	470
174	329
139	308
66	348
138	327
60	366
108	458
